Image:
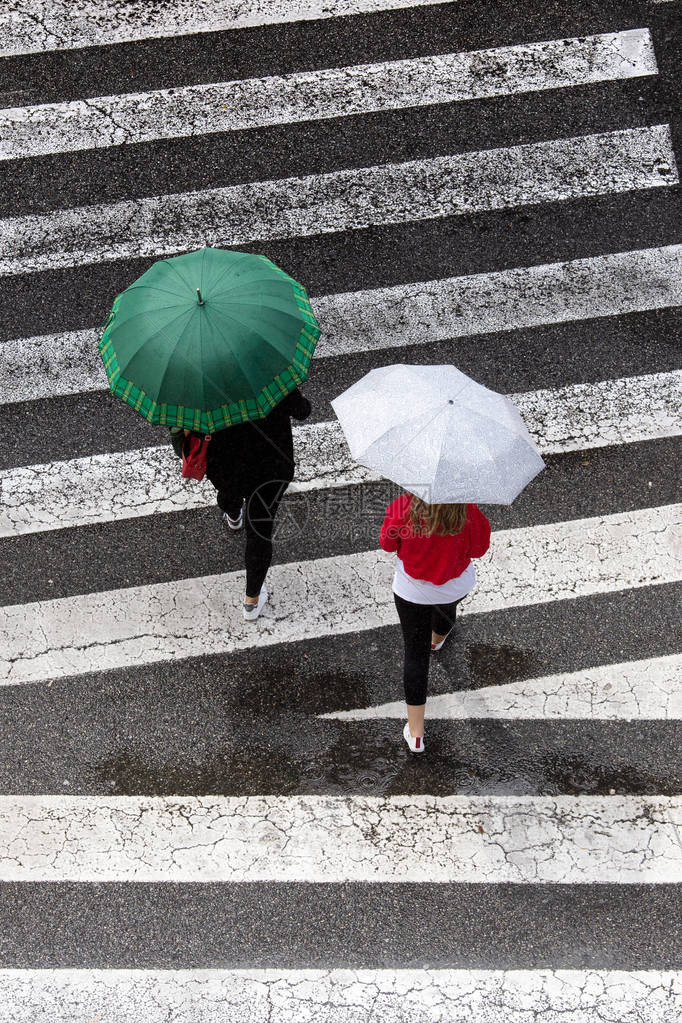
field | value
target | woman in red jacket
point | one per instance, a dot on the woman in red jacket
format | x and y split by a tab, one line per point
435	544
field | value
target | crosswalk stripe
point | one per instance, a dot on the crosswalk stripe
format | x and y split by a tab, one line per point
648	689
56	844
336	839
37	26
579	289
327	596
336	995
125	119
610	285
606	163
467	868
129	484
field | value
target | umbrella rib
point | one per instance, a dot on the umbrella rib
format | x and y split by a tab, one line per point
171	266
145	312
170	360
152	337
202	377
242	369
420	431
496	469
462	388
267	279
440	452
139	286
257	333
218	305
273	302
228	269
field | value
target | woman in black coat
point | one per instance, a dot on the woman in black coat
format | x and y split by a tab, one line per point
251	465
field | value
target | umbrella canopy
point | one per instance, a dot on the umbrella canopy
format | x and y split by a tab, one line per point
209	339
438	434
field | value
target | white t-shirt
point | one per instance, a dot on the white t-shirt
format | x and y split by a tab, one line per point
421	591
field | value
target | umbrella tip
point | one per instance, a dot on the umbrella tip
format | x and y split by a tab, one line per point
199	298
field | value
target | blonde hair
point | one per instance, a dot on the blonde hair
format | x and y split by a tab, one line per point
436	519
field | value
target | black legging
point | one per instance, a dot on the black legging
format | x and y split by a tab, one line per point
418	621
259	518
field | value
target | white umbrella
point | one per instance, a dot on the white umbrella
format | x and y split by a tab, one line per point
438	434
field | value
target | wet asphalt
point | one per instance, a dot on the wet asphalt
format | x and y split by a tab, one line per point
247	723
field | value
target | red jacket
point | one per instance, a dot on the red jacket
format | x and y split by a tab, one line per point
434	558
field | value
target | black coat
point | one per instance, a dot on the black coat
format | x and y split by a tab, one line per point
241	458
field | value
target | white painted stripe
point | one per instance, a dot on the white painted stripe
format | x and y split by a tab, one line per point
336	839
622	411
580	289
51	365
130	484
194	617
646	690
340	995
34	26
106	121
610	285
607	163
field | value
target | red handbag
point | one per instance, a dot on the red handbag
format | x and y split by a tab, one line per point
194	456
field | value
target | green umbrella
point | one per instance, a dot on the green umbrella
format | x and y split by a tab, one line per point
209	339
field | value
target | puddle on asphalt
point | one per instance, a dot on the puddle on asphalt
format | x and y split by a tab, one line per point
573	776
347	769
131	775
496	665
338	690
294	687
294	754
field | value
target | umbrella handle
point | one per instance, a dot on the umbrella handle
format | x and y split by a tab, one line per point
199	298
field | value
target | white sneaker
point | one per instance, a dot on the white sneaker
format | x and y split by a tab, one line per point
437	646
416	745
234	524
251	611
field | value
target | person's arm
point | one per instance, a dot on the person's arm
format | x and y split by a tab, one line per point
295	405
479	532
394	523
177	437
